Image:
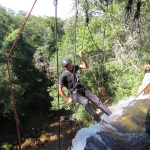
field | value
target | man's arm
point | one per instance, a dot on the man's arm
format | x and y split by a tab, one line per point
84	64
62	94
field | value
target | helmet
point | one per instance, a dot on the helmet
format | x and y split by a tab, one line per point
65	61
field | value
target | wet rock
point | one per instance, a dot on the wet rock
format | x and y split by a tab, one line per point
92	143
117	141
147	122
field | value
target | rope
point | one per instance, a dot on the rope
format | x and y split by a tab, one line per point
15	42
87	24
101	51
74	84
122	114
55	4
83	38
135	98
104	35
75	32
10	80
86	21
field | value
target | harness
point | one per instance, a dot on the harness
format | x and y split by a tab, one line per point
77	87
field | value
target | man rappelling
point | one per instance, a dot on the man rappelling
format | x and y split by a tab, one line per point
77	92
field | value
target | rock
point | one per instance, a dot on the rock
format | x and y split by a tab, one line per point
147	122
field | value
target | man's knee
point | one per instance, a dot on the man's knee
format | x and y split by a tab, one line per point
85	102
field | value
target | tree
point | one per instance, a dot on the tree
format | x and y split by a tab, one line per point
30	85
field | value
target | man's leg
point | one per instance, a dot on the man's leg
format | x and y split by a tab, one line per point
82	100
93	98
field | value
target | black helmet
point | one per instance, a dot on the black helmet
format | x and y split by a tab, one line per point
65	61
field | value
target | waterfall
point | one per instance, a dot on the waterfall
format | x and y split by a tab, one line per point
129	132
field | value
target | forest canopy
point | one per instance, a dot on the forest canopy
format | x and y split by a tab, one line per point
114	35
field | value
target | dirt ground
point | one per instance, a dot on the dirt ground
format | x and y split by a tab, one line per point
57	135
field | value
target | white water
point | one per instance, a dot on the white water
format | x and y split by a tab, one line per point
79	142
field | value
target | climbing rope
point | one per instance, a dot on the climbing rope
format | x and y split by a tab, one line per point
75	41
118	117
74	74
10	79
75	24
86	7
102	53
83	38
86	22
135	98
55	4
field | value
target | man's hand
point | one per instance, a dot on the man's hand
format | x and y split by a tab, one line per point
69	100
84	64
81	54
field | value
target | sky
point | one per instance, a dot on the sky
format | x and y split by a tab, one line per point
41	8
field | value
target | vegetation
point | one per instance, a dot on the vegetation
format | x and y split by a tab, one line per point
6	146
115	47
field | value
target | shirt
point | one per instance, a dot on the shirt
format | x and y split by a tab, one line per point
70	79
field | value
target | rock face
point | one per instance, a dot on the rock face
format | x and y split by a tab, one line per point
147	122
117	141
129	131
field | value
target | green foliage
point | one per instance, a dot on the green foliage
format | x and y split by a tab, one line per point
114	56
5	25
106	33
81	114
124	79
44	34
6	145
58	102
29	84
